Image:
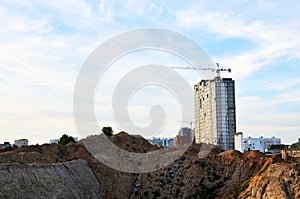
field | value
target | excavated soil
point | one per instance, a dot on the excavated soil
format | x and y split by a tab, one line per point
213	174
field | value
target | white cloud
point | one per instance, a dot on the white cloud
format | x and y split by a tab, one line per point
141	8
251	98
37	74
267	117
273	40
290	96
282	83
44	43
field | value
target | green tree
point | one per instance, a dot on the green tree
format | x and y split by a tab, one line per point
107	131
296	146
65	139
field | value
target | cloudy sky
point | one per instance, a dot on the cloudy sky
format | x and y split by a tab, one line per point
43	45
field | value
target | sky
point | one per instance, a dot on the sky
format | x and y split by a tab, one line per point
43	45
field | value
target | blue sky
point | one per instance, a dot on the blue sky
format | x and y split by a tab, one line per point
43	45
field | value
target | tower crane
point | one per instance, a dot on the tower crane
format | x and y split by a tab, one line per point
218	70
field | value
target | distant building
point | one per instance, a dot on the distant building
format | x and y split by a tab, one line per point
185	131
181	140
276	148
161	141
21	142
260	144
215	112
54	141
5	145
185	136
239	142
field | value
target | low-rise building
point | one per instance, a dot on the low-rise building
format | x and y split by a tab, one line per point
54	141
187	132
181	140
161	141
261	144
5	145
21	142
276	148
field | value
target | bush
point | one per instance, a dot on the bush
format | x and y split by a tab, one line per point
107	131
65	139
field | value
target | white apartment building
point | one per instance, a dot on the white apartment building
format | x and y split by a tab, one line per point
161	141
215	112
21	142
239	142
261	144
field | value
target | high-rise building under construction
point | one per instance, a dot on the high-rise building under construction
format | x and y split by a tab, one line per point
215	112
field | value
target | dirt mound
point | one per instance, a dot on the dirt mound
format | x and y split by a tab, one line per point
231	154
280	180
121	134
136	144
8	149
201	150
254	154
217	174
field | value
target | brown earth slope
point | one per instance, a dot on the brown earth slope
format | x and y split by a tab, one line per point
217	175
73	179
279	181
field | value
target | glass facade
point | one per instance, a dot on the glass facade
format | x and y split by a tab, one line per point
215	112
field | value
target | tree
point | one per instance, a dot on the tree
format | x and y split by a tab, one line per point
107	131
65	139
295	146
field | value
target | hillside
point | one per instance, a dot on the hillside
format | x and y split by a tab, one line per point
279	181
218	175
73	179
